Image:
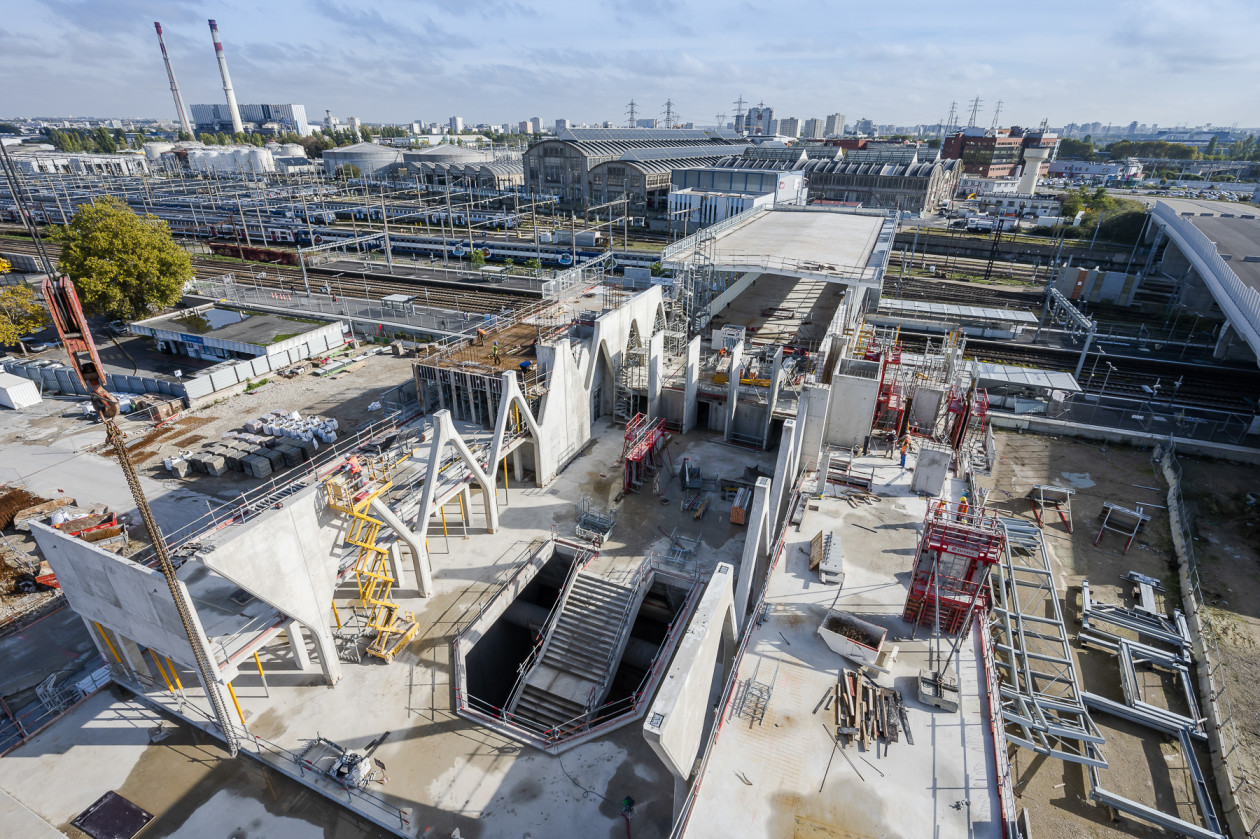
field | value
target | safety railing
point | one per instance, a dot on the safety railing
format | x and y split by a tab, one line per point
1240	302
522	673
1164	457
690	242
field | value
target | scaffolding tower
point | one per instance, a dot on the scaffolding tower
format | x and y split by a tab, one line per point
958	548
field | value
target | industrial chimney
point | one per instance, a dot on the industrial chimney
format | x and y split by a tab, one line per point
237	128
170	72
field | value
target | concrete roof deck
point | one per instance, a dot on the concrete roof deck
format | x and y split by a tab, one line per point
945	782
833	242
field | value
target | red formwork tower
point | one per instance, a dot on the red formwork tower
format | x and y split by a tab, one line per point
890	404
951	566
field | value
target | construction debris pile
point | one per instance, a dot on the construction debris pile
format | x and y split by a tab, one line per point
866	712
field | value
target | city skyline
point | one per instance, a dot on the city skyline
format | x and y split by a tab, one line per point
1159	62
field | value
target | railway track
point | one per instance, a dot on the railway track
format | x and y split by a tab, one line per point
1224	389
285	278
965	294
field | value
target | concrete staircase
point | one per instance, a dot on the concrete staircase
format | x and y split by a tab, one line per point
582	648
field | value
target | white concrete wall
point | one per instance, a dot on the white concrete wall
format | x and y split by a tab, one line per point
675	722
119	594
851	411
564	417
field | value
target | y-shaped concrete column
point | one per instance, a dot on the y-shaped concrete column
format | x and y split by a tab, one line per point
776	376
656	374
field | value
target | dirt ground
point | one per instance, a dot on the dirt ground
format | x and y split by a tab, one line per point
1143	765
1227	533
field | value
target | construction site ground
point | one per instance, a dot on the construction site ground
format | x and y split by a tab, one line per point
1227	529
1143	765
450	772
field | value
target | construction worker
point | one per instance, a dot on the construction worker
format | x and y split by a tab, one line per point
962	508
905	447
494	352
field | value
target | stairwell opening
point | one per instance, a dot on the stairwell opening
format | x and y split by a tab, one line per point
502	656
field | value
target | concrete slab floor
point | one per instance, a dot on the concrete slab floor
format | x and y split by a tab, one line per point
838	239
190	785
806	307
447	771
942	786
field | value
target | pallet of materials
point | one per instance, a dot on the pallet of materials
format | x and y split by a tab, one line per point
739	507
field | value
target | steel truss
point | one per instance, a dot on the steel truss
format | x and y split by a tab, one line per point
1039	690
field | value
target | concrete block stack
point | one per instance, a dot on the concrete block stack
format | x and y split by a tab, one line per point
294	426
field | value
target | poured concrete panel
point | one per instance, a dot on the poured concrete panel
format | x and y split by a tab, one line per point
118	593
675	722
852	409
931	466
286	557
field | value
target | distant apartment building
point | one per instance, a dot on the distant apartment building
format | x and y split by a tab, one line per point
812	129
562	125
996	153
790	127
864	126
456	125
524	127
355	123
650	122
535	125
834	126
758	120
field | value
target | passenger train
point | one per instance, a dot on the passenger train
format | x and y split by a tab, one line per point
295	229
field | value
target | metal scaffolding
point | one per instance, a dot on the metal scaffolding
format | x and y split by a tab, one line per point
1040	696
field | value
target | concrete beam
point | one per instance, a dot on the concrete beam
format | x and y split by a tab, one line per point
784	476
656	373
816	399
414	546
758	534
732	389
776	378
691	384
674	727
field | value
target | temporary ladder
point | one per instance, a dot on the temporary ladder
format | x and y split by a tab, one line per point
352	493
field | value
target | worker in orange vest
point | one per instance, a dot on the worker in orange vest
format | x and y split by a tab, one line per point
962	508
905	447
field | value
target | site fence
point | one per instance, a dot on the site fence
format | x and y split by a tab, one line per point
55	377
1242	810
1152	418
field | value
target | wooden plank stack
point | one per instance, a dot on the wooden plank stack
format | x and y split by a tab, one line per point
866	712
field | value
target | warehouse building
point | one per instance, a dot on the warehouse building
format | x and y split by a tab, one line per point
998	153
644	175
562	166
437	166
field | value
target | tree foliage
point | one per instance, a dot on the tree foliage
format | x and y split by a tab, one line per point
1151	148
122	265
477	258
20	313
9	128
1070	149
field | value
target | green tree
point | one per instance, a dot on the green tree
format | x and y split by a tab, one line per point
223	138
104	141
122	265
20	313
367	133
477	258
1210	151
348	170
534	263
657	269
1070	149
183	136
9	128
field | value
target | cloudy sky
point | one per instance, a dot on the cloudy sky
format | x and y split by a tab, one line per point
1163	61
